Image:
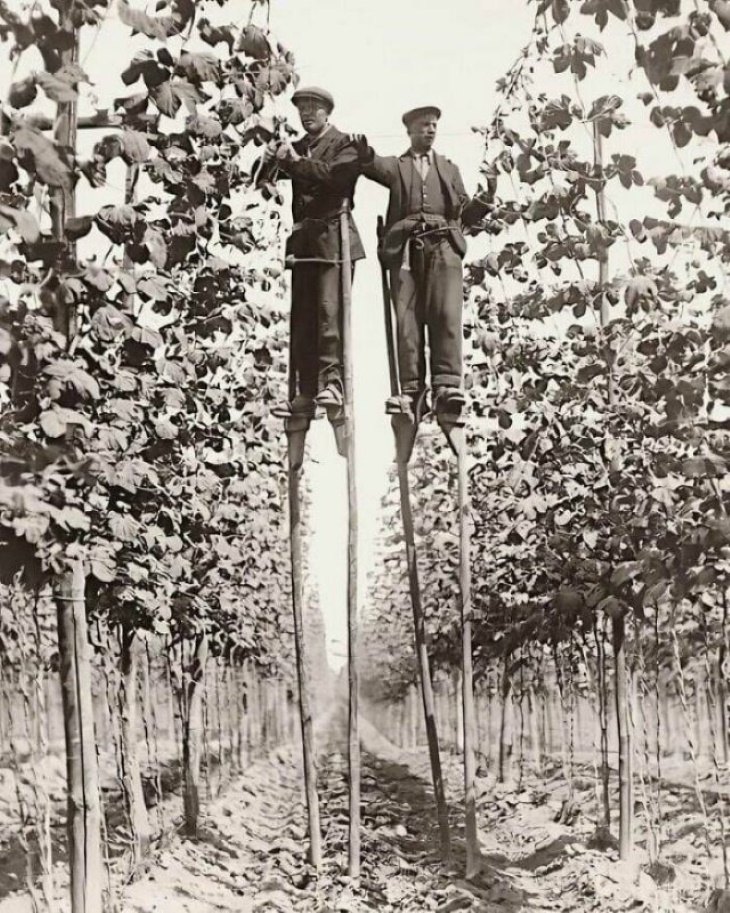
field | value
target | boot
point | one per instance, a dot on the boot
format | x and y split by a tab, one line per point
302	405
331	396
413	404
449	400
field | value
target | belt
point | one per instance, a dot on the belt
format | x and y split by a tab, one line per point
434	226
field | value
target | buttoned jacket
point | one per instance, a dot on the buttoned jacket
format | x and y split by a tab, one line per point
322	178
396	173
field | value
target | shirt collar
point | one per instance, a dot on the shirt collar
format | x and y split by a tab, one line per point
417	155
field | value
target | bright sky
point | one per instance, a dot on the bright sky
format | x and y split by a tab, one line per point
380	58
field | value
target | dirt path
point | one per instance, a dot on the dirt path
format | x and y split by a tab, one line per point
250	856
251	853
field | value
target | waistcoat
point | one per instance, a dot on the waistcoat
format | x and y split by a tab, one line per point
426	196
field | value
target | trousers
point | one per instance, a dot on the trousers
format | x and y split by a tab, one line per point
316	326
429	298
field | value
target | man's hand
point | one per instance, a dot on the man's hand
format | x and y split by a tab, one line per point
286	152
360	142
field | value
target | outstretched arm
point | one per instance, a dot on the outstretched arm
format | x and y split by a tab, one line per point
373	166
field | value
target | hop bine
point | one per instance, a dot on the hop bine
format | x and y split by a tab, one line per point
265	169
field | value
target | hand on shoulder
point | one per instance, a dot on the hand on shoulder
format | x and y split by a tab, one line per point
360	142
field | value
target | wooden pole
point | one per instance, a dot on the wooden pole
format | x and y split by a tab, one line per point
453	428
193	686
626	812
305	711
404	431
131	776
84	804
467	671
352	535
84	809
419	628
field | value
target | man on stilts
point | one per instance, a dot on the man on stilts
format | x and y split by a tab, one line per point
423	247
323	168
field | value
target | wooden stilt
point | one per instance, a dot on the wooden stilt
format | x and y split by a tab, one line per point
453	428
345	435
405	429
419	628
296	430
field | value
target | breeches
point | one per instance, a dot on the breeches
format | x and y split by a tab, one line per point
429	296
316	326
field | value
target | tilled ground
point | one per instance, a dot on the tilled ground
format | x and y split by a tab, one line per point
251	856
539	853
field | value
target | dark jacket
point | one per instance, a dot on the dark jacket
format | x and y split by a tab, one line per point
321	180
396	173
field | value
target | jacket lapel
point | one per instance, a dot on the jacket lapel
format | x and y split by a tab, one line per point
319	147
406	171
444	171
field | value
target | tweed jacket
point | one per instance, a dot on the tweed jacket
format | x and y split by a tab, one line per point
322	179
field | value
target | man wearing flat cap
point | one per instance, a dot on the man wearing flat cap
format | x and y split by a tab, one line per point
323	168
423	247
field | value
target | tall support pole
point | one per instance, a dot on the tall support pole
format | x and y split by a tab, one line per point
296	430
625	749
405	433
453	428
352	619
84	804
424	665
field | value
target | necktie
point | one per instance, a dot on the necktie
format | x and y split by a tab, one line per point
424	164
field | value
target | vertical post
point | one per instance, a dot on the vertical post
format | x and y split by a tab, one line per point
352	620
467	670
193	684
84	810
419	628
619	624
305	711
131	776
453	428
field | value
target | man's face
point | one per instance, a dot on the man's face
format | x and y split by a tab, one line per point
312	114
422	131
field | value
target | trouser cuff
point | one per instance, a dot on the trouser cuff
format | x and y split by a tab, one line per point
330	376
446	380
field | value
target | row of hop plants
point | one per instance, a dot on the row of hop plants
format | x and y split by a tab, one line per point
599	319
142	333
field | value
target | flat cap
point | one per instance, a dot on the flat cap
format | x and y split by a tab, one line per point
314	92
418	112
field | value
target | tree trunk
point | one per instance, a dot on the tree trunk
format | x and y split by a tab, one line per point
84	812
192	724
624	742
131	777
